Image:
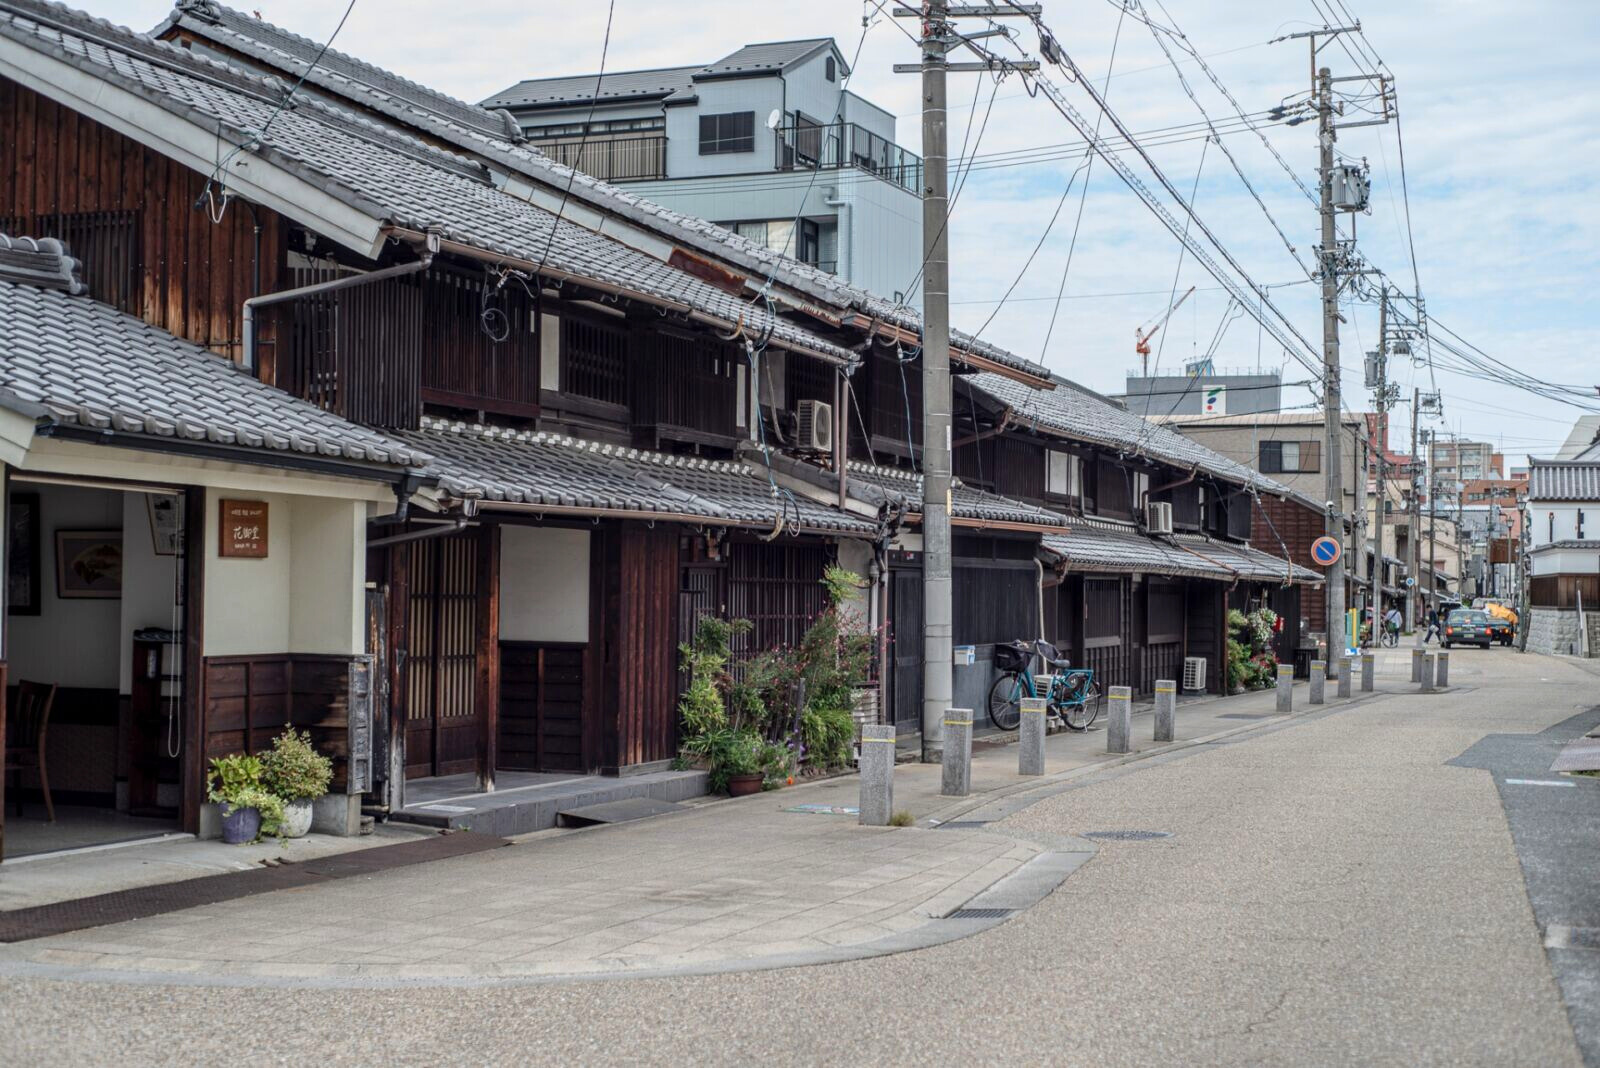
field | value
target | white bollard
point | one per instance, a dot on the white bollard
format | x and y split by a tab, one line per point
877	774
957	771
1030	740
1166	709
1119	727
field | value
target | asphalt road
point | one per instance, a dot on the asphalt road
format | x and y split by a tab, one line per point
1342	889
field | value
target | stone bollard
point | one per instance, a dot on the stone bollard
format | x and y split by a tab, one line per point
1441	669
1319	679
877	774
957	780
1166	709
1119	725
1427	673
1030	741
1344	676
1416	664
1369	671
1285	687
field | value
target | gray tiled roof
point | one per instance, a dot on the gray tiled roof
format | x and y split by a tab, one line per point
1248	562
373	168
1071	411
1569	543
1564	480
1105	547
439	116
43	262
769	55
867	482
78	362
579	88
495	465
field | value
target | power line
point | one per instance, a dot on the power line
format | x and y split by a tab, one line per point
605	50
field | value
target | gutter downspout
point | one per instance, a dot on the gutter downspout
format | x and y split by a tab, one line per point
844	233
348	282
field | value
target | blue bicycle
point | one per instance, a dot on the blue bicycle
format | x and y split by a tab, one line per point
1074	697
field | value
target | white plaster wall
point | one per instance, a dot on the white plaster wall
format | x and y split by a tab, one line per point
1565	521
149	584
328	591
247	601
544	584
73	642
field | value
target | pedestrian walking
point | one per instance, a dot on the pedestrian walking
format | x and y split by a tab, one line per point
1433	626
1391	626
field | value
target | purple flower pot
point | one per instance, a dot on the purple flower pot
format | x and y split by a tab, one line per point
240	825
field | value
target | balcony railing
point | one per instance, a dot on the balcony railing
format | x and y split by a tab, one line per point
807	146
611	159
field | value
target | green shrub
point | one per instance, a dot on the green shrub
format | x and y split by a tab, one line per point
902	818
293	769
235	782
827	734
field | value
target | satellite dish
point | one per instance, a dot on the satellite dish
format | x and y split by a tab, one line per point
775	119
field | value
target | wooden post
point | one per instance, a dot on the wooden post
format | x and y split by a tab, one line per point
487	696
192	765
398	706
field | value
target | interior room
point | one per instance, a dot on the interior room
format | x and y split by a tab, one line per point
94	688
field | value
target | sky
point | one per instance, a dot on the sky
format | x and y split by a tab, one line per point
1499	111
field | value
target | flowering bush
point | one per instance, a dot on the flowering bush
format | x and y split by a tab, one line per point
1251	663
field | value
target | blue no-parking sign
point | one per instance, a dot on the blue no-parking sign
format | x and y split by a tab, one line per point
1326	551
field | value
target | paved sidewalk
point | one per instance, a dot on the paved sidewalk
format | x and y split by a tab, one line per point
730	884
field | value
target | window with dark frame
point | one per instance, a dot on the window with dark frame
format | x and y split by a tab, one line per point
731	132
829	71
1290	457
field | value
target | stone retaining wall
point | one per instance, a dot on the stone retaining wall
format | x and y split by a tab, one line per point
1555	631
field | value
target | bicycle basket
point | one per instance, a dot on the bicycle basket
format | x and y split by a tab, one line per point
1011	657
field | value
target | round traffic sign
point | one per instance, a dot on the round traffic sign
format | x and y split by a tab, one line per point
1326	551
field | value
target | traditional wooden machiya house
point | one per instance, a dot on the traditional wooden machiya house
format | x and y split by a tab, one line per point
184	558
596	401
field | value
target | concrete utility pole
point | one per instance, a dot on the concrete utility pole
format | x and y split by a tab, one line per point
937	39
1381	393
1414	549
1334	585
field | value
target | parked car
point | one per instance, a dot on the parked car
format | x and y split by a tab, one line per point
1467	626
1502	630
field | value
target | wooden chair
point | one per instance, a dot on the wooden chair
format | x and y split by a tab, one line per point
27	723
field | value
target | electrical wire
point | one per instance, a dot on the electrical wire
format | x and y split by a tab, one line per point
594	101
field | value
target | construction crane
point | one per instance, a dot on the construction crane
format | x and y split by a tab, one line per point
1142	336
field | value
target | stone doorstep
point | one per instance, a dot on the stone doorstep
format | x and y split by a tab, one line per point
518	812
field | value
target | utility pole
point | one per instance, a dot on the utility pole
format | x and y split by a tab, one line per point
1379	382
1329	255
1414	548
938	39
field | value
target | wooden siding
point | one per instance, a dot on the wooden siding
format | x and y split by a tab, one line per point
1204	620
778	588
1277	525
249	699
1113	489
639	660
994	601
1018	468
1107	618
892	390
541	706
1562	591
462	365
63	173
684	389
441	663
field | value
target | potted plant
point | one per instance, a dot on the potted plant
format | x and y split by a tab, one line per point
248	808
294	771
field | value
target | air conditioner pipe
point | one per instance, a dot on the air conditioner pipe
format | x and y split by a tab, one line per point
1144	503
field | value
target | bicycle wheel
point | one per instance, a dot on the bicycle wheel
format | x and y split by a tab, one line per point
1085	711
1005	702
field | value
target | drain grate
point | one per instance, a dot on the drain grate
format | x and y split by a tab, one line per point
963	825
979	914
1126	836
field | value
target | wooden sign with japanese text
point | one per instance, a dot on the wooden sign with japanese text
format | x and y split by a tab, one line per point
243	529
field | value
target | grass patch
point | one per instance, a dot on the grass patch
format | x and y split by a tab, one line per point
902	818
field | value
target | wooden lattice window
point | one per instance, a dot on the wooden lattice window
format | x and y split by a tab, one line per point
594	360
106	243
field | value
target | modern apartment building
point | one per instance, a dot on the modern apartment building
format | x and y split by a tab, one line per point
1204	390
1464	461
765	141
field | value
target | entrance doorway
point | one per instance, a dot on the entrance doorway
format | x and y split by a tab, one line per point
95	616
443	721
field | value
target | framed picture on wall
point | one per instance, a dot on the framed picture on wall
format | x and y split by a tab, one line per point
88	564
166	523
23	555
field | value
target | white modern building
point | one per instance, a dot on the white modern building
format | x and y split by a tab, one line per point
1564	556
765	141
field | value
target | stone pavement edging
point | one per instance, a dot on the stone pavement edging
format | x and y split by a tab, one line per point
1056	859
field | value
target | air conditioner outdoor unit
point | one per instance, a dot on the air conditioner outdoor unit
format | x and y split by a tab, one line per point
1158	517
1194	674
816	425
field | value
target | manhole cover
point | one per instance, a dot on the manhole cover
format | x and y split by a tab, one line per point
1127	836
